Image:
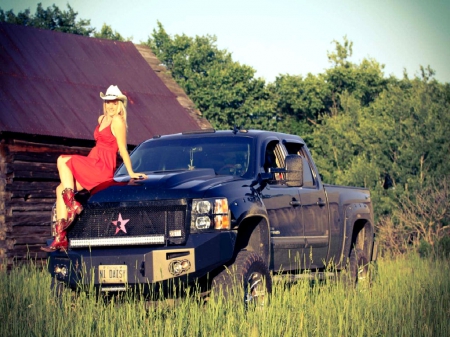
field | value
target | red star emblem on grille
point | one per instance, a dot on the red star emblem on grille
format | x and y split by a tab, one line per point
120	224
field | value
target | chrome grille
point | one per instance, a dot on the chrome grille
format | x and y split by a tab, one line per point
160	219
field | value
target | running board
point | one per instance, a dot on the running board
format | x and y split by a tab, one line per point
304	276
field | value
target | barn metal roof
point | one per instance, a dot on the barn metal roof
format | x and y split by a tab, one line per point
50	84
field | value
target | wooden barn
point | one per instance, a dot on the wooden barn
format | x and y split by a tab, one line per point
49	105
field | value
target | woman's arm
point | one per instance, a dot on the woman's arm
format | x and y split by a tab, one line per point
119	130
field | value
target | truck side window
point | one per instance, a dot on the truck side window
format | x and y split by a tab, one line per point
270	159
274	158
308	176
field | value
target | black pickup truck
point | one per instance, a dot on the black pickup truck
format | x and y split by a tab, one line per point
216	205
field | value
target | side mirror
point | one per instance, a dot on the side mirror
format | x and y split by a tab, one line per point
294	170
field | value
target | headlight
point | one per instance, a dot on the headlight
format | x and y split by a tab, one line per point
202	206
210	214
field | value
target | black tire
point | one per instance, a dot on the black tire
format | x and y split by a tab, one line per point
248	271
57	289
358	268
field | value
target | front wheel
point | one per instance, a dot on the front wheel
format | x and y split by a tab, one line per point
250	272
57	289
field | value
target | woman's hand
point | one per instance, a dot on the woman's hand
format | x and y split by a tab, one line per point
138	176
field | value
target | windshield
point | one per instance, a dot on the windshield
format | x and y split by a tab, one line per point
227	156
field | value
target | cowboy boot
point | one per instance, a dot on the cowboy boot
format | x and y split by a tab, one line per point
60	241
73	206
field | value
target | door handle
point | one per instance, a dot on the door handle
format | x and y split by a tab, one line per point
321	203
295	203
274	232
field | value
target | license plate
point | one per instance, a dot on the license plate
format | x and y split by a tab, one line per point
113	274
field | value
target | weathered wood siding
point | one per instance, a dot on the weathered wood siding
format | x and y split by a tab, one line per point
28	178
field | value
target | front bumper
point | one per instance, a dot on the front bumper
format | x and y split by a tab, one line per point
119	267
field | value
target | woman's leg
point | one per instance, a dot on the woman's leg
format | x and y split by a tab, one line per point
60	240
66	178
66	206
65	174
68	194
78	187
61	209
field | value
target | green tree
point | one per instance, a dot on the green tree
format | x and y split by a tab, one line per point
397	145
301	101
226	92
365	80
108	33
51	18
302	97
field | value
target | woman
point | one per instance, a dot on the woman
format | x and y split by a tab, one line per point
80	172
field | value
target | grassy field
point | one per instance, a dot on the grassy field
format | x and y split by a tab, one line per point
409	297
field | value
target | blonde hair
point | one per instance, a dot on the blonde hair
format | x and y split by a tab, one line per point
121	111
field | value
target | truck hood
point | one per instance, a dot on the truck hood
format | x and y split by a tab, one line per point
159	186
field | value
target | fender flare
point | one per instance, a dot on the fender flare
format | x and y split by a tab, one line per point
353	213
256	238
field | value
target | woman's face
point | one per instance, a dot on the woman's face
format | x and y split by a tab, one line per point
111	107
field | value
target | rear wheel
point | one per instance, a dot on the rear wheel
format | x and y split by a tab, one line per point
250	272
358	270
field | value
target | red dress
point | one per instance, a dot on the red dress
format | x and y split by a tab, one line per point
100	163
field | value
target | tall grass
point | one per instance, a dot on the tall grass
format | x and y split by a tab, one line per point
409	297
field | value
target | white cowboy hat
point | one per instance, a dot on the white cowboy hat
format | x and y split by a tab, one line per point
113	93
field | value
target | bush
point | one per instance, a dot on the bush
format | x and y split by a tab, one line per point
421	222
425	249
440	249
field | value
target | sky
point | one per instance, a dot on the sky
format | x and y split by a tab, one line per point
286	36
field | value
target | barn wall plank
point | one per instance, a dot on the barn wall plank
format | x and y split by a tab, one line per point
28	179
